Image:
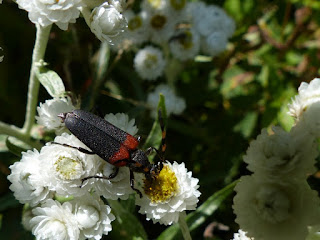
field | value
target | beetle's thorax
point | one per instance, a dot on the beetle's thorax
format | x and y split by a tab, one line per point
139	161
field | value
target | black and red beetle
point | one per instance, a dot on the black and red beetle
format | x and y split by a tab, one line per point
113	145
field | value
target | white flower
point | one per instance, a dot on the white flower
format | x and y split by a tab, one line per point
241	235
174	190
65	167
121	120
107	23
93	216
185	44
275	210
208	19
46	12
48	113
115	188
308	95
55	221
282	154
136	32
160	25
27	179
174	104
214	44
149	63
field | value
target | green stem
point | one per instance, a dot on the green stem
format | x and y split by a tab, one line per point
16	132
183	226
39	50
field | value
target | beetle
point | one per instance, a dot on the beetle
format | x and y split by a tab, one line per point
112	144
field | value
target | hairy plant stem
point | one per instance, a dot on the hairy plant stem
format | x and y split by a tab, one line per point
39	50
183	226
23	133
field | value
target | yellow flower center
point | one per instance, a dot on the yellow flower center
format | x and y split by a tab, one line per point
151	61
68	168
186	40
135	23
178	4
158	22
155	3
163	186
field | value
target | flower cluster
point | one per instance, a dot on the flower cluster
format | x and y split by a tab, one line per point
184	28
276	202
59	171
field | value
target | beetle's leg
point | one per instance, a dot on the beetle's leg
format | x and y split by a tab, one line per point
80	149
112	175
132	184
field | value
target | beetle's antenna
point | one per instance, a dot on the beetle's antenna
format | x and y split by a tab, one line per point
163	136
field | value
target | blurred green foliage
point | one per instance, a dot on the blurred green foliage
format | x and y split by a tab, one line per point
230	98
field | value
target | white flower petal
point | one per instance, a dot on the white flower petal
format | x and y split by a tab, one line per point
48	12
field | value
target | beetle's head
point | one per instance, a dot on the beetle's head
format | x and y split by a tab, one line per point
140	163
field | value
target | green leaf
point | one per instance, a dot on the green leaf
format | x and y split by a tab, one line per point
16	146
8	201
51	82
263	76
235	81
247	124
237	9
198	217
129	204
154	138
155	135
126	225
162	109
